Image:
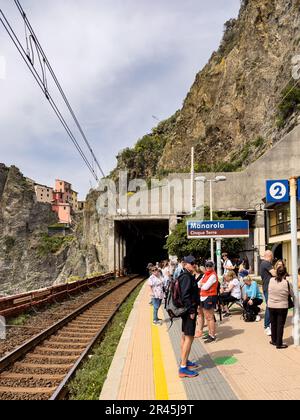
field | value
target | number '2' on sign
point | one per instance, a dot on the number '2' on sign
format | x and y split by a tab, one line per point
278	191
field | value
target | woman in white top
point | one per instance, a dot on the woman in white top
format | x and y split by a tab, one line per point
166	272
227	264
156	288
233	291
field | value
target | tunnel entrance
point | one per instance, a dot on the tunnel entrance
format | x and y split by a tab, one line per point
144	242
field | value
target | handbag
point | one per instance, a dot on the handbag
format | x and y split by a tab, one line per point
290	299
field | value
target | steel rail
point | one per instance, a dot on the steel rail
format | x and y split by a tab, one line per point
62	390
22	350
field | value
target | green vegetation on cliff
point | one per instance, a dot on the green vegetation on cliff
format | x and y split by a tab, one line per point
52	244
290	103
228	114
142	160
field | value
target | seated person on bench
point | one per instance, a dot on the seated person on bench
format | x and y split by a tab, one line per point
233	291
252	298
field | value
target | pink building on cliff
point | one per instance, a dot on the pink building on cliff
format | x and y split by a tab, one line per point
63	199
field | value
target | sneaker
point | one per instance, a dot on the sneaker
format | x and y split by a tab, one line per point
192	364
226	315
283	346
268	331
210	339
186	373
258	318
156	323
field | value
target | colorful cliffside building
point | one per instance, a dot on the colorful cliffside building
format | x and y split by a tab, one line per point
63	198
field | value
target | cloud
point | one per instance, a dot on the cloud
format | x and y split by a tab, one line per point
119	62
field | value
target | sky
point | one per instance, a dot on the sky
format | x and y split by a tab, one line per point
120	62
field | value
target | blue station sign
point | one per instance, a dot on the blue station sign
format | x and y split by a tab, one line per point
278	191
218	229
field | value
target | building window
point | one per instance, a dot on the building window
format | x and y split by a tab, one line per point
280	221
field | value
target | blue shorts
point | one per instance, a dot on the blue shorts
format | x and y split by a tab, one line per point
209	303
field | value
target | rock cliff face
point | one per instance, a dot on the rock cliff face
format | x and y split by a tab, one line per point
240	104
231	114
88	255
29	258
23	222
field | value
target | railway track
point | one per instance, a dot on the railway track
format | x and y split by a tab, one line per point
42	368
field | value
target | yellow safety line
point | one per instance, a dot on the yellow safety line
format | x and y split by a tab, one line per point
160	381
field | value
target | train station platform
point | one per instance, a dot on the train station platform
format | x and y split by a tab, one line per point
241	364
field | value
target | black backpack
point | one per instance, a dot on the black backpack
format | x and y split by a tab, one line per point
249	316
173	302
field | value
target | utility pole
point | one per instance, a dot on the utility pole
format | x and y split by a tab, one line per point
212	251
192	179
219	252
294	239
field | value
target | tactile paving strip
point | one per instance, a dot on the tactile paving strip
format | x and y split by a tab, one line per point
210	384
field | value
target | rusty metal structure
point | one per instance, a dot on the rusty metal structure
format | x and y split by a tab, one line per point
18	304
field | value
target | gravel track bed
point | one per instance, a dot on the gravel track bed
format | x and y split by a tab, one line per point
28	383
41	371
49	355
16	336
13	397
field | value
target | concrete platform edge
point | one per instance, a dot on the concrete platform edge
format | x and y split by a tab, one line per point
112	384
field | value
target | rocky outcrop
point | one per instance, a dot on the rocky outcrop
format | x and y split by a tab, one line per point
23	225
88	255
237	108
230	114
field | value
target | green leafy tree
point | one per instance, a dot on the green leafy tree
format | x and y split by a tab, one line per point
178	243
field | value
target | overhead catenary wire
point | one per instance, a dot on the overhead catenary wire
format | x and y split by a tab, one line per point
40	83
47	63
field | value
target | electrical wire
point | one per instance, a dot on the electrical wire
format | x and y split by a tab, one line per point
40	83
27	23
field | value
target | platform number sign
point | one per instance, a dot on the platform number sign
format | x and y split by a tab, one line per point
278	191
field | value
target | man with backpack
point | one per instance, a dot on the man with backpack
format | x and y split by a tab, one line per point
190	301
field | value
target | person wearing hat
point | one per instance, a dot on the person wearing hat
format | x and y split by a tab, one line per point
190	301
252	297
209	298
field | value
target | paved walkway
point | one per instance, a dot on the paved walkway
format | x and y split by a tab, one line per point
144	367
261	371
240	365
